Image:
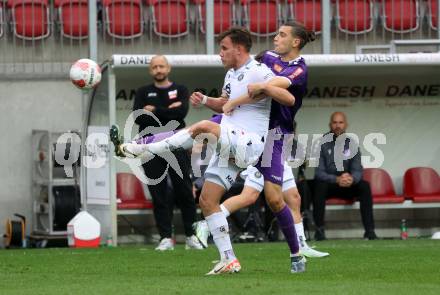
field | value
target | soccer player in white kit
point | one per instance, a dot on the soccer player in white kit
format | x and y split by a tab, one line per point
241	136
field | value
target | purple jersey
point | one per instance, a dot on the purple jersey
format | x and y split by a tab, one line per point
281	116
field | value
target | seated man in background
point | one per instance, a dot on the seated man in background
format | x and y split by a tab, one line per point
339	174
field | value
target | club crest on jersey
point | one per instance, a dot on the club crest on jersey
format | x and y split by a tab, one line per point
277	68
172	94
257	174
296	73
241	77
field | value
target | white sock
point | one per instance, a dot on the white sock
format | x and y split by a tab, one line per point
136	148
225	210
218	225
299	228
181	139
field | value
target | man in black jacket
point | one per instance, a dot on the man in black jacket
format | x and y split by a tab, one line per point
167	101
339	174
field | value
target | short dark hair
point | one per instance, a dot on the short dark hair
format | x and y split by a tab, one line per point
300	31
239	36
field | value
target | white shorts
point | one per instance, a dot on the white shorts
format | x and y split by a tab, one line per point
243	146
255	180
222	172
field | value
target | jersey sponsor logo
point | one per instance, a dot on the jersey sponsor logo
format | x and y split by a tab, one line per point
278	68
241	77
172	94
228	89
152	94
296	73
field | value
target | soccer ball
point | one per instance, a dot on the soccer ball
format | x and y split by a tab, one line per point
85	73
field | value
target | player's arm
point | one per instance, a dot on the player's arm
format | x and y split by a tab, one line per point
230	105
275	88
257	91
214	103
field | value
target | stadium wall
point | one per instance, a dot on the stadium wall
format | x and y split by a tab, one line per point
387	101
52	105
394	95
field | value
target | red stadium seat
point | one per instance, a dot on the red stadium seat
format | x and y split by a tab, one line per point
422	184
123	18
169	17
130	192
261	17
30	18
2	19
354	16
224	15
432	14
382	187
307	12
400	16
73	17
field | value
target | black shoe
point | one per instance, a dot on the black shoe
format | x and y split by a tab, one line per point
320	234
370	235
116	139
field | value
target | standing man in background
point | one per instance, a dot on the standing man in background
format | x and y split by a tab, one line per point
167	101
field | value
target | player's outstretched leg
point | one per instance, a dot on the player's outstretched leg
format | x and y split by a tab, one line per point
170	141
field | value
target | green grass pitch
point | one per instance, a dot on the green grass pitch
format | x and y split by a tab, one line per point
354	267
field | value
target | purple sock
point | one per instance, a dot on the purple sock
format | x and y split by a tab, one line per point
285	221
155	137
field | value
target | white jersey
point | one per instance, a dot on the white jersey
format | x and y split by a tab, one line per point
250	117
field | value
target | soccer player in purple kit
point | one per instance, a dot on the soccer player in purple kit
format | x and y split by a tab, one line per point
286	62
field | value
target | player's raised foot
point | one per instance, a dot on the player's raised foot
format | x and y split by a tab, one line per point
136	150
165	244
297	264
312	253
201	231
225	266
117	140
193	243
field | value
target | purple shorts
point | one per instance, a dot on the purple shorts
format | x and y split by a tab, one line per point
216	119
271	164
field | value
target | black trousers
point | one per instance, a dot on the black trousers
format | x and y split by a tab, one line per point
164	198
361	190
